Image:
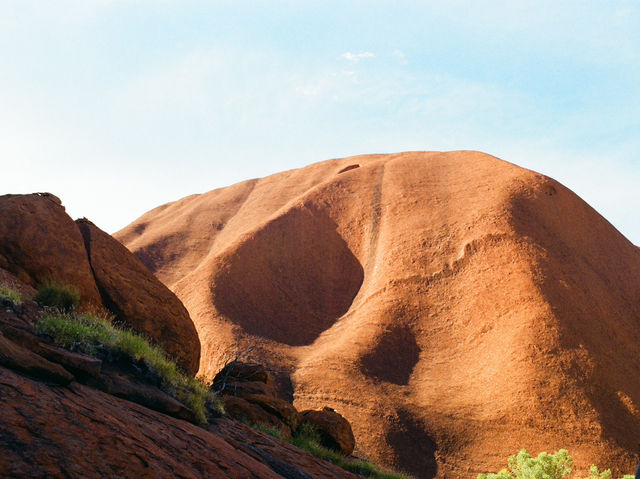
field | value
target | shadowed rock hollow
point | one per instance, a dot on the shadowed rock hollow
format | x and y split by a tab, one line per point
452	306
296	276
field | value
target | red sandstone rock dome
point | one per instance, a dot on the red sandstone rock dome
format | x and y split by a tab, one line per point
452	306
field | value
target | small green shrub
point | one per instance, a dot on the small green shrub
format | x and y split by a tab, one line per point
60	296
7	293
594	473
96	336
523	466
545	466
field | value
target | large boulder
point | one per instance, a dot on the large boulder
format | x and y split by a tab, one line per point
40	243
249	394
138	299
334	430
279	408
251	413
479	276
240	372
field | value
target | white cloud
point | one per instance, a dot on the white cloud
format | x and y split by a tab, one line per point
356	57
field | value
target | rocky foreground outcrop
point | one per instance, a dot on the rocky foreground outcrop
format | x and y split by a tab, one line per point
452	306
248	393
81	432
68	415
40	243
138	299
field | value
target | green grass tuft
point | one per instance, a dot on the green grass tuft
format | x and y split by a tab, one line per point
270	430
308	439
7	293
92	335
60	296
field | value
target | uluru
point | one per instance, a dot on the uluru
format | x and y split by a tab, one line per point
319	240
453	307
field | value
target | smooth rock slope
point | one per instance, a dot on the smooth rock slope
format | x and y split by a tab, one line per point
138	299
452	306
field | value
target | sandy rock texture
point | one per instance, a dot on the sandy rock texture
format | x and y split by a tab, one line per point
453	307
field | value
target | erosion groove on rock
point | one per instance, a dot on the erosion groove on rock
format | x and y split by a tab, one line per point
452	306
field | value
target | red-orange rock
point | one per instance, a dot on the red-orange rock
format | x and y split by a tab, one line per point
243	410
21	359
138	299
284	411
238	371
452	306
335	431
242	388
80	432
39	242
283	458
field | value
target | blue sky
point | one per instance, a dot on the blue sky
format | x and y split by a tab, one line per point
119	106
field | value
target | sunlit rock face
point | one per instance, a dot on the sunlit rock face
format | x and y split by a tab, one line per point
454	307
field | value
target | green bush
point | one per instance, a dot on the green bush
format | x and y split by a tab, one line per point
60	296
7	293
545	466
594	473
96	336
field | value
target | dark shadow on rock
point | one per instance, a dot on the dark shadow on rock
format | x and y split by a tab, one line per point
413	447
393	357
290	280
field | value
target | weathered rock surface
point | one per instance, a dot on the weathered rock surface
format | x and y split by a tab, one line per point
138	299
52	426
249	394
241	372
80	432
237	407
284	411
21	359
452	306
40	243
335	431
283	458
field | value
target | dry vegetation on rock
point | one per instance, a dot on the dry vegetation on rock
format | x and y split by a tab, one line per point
90	334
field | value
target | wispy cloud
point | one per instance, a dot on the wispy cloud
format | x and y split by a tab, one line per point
356	57
171	91
400	56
